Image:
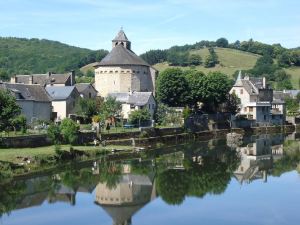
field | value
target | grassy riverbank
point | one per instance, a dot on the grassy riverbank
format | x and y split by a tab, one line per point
16	155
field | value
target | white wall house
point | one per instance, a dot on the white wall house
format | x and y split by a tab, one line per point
63	100
257	101
132	101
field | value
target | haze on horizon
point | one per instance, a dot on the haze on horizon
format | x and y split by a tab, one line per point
151	24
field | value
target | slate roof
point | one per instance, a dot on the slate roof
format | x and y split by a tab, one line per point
81	87
121	36
292	93
136	98
250	88
59	92
43	79
120	55
33	92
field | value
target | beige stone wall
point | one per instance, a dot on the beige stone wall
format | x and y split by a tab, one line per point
123	79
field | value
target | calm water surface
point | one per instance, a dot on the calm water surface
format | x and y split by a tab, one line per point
195	183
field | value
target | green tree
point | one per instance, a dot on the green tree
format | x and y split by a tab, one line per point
292	105
19	123
196	83
87	107
69	131
140	116
216	87
90	73
194	59
110	107
232	103
9	109
54	134
212	59
222	42
173	88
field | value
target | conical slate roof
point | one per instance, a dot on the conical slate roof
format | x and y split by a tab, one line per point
121	36
119	55
238	82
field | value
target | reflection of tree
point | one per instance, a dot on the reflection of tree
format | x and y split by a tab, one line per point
10	194
75	178
110	173
173	185
210	176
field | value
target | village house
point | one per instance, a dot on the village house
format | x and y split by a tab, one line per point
34	101
257	102
63	100
48	79
86	90
135	100
123	71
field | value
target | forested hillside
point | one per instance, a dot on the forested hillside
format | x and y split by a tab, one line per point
26	56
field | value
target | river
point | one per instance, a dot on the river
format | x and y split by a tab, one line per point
255	182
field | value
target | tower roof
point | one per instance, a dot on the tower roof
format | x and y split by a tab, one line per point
238	81
121	36
119	55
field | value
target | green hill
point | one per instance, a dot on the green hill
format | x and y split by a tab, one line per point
230	61
26	56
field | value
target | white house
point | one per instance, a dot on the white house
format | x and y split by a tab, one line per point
63	100
257	101
135	100
34	101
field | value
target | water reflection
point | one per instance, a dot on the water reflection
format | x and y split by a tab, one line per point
122	188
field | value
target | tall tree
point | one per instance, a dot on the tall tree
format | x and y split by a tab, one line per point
173	87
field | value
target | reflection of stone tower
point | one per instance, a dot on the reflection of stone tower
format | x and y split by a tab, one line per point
131	194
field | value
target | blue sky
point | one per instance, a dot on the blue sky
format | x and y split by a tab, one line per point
151	24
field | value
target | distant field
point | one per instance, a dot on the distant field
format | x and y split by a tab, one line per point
295	76
230	61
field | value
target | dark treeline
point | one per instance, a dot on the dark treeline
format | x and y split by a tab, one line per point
285	57
27	56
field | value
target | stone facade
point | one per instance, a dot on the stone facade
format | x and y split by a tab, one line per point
122	70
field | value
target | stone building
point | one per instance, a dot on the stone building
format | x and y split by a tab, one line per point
123	71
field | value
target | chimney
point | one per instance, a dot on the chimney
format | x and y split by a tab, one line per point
13	79
264	82
72	77
30	80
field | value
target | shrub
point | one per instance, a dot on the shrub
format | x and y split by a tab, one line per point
53	133
69	131
139	116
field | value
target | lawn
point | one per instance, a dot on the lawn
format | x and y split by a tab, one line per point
11	154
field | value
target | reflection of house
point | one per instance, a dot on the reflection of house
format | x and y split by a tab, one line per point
86	90
63	100
257	158
48	79
33	99
132	192
135	100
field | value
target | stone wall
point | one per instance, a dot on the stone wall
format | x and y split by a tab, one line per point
25	141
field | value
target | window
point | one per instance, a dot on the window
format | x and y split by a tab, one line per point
265	117
90	95
241	91
149	106
250	109
153	106
250	116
